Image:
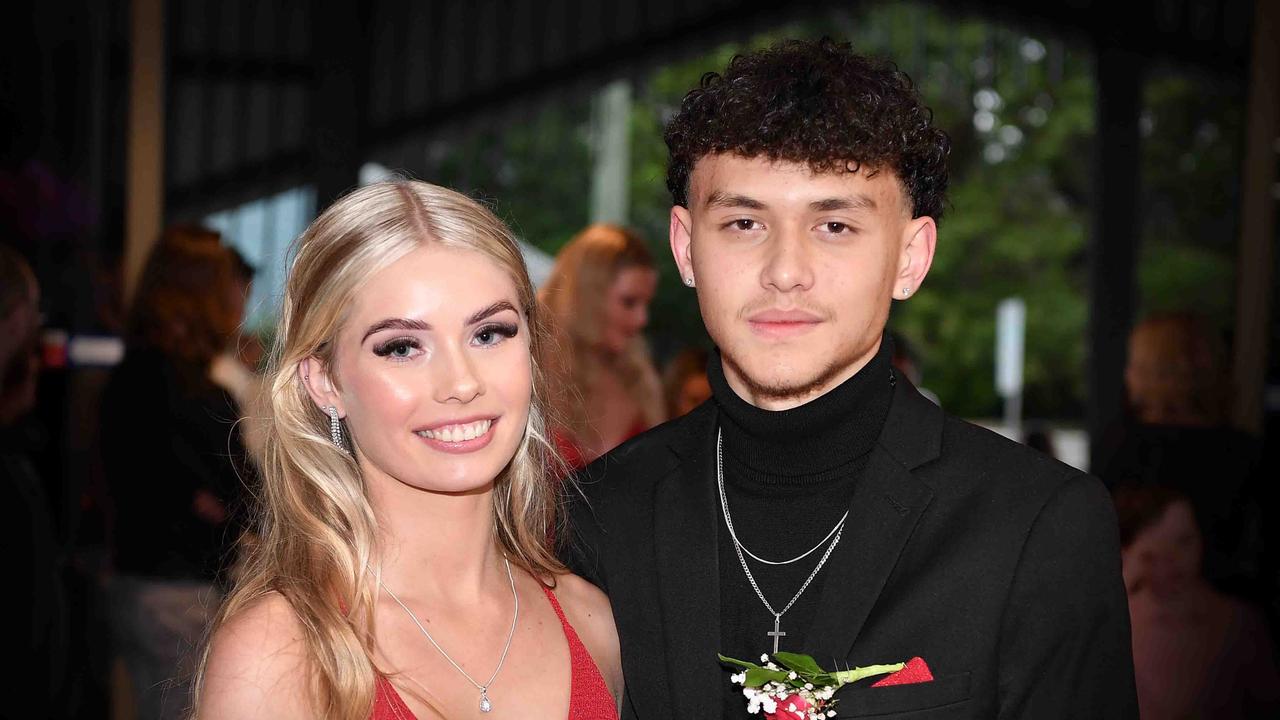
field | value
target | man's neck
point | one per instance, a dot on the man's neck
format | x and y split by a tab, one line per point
813	438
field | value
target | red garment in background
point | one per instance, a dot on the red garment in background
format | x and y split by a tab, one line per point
572	454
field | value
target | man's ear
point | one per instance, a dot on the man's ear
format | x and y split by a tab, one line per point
320	385
919	240
682	243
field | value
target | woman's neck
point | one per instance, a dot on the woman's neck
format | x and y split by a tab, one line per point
1191	600
437	544
605	358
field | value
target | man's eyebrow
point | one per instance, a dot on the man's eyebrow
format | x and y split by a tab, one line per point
395	324
490	311
850	202
722	199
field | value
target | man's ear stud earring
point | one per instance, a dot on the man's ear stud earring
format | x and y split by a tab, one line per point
906	292
689	281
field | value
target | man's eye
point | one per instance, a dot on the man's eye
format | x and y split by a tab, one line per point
742	224
836	228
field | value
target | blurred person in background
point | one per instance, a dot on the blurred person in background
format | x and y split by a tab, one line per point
237	368
249	348
598	296
36	627
1197	653
685	383
905	361
174	462
1176	436
1039	436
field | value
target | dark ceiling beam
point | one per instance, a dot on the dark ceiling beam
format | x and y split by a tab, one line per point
660	41
246	70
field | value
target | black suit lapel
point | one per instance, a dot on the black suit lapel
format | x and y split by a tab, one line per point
886	505
685	529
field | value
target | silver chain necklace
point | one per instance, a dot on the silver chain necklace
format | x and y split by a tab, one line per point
485	704
728	521
777	633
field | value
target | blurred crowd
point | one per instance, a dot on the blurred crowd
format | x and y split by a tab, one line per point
177	447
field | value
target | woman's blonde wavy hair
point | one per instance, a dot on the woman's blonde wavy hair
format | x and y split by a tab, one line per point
314	531
580	279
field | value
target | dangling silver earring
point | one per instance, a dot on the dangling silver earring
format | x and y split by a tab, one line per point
335	427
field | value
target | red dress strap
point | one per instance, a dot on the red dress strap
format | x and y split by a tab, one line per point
589	697
387	704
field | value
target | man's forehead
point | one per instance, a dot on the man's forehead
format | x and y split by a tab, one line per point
718	175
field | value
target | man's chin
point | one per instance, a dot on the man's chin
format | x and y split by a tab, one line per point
780	381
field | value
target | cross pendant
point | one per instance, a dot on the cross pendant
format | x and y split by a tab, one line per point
777	632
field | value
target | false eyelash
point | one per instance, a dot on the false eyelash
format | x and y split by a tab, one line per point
506	330
386	348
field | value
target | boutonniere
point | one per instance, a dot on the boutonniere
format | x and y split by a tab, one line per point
792	686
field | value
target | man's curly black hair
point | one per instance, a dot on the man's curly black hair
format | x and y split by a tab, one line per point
814	102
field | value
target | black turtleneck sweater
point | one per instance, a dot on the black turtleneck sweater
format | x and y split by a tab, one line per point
788	478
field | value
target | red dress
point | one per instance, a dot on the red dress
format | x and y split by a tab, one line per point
589	697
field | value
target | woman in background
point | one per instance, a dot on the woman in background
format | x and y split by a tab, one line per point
1197	653
607	389
35	628
685	382
1177	435
174	462
402	568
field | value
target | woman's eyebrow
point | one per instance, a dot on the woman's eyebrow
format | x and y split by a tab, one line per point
493	309
395	324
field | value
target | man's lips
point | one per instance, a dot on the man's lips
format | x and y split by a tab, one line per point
783	323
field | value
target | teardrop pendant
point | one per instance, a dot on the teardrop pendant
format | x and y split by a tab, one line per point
485	705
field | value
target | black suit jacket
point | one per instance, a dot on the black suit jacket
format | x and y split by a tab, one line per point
997	565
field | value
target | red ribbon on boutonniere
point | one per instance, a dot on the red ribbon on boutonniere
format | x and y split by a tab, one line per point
792	686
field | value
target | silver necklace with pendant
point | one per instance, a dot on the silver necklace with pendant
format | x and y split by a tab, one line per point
777	633
485	704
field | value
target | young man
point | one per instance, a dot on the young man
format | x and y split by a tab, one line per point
818	504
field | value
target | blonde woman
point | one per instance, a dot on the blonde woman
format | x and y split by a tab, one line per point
402	568
598	295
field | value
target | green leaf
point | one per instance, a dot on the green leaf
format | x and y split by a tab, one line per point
759	676
802	664
739	663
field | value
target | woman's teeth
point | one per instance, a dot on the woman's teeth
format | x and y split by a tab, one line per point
458	433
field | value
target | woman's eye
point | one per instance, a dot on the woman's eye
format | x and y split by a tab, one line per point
398	349
494	334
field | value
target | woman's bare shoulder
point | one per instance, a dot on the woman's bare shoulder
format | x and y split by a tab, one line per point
591	615
257	665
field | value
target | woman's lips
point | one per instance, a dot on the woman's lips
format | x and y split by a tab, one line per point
459	437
